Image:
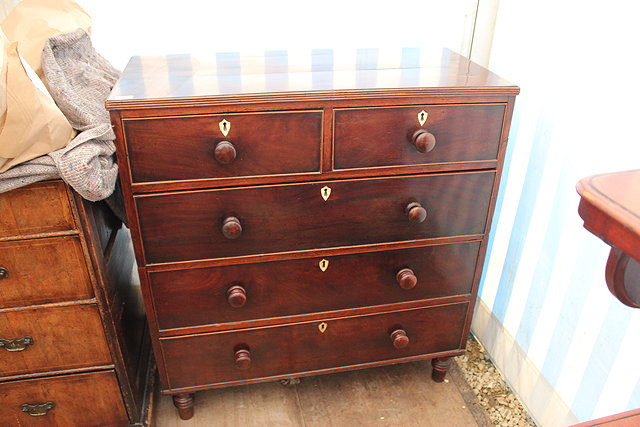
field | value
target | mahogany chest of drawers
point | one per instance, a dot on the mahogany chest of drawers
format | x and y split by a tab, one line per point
303	214
74	346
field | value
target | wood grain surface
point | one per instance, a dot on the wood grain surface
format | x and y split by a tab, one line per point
182	148
187	226
91	399
380	136
35	209
41	271
300	286
303	348
65	337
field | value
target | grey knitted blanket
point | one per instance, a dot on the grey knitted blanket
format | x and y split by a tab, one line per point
79	80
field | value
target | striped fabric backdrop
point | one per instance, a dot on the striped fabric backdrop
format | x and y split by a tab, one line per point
566	346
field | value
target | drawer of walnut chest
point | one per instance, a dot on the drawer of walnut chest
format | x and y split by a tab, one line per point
393	136
91	399
38	208
41	271
270	219
282	288
185	148
51	338
313	346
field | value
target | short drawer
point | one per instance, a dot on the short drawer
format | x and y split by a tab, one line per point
191	225
185	148
273	289
383	136
51	338
42	271
91	399
307	347
38	208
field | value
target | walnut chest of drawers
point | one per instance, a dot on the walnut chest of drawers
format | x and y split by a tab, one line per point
303	214
74	346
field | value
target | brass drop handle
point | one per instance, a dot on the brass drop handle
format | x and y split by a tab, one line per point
4	273
16	344
423	141
236	296
224	152
415	212
406	278
243	359
399	338
38	409
231	227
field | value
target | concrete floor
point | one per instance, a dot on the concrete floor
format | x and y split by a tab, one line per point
399	395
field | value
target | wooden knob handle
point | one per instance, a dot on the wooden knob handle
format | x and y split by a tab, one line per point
399	338
236	296
423	140
4	273
224	152
231	227
415	212
406	278
243	359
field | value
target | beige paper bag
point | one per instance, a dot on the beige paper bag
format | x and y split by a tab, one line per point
32	22
33	124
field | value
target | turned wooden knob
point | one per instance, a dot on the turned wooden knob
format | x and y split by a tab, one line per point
415	212
4	273
399	338
423	140
236	296
224	152
231	227
243	359
406	278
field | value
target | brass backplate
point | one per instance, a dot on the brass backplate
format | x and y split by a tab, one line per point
322	327
323	264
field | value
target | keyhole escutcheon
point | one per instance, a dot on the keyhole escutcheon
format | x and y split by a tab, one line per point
422	117
325	192
225	127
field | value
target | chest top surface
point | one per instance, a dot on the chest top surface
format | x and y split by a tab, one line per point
317	73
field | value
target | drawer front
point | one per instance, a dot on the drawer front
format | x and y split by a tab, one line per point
92	399
186	226
253	291
380	137
37	208
210	359
42	271
61	338
184	148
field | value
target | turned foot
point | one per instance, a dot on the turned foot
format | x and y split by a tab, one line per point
440	368
184	403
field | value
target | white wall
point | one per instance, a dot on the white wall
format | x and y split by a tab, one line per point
568	348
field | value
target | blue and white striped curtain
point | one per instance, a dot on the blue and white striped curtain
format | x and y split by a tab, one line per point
567	347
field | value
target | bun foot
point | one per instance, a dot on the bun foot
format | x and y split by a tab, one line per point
184	404
440	367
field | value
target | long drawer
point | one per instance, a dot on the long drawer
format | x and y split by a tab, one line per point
280	218
185	148
51	338
91	399
383	136
254	291
235	356
42	271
